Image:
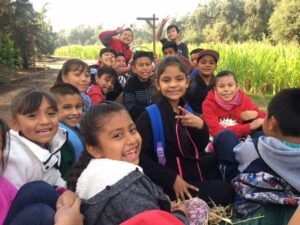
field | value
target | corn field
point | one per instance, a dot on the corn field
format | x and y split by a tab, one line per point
260	67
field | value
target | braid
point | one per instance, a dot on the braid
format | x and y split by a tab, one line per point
77	169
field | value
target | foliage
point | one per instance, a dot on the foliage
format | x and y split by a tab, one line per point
260	66
285	21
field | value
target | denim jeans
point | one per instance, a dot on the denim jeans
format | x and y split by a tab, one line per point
34	204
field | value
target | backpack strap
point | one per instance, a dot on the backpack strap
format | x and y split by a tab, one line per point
189	108
158	132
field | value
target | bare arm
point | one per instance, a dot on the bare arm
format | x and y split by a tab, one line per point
160	28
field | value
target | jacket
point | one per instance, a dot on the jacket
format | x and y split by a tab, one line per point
95	93
7	195
106	37
213	113
165	176
113	191
27	161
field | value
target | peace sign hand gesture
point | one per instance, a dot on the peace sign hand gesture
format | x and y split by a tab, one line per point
189	119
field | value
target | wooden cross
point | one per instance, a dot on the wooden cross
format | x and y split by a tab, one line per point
151	22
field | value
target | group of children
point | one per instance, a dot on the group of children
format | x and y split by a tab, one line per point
207	144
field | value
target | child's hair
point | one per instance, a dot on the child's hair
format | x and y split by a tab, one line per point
285	108
90	125
127	29
29	101
105	50
173	26
223	73
196	50
120	54
171	61
3	132
170	44
71	65
140	54
64	89
107	70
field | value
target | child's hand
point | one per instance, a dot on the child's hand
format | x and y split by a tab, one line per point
69	215
179	206
181	189
249	115
66	199
165	20
189	119
120	29
256	123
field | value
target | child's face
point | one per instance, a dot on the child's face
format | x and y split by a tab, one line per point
172	83
120	61
126	37
194	58
70	109
207	65
105	82
226	88
172	34
143	68
108	59
39	126
119	139
169	51
78	79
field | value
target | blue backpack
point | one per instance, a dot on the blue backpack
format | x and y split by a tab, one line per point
159	143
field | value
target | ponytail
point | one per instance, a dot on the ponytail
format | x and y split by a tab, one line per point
77	169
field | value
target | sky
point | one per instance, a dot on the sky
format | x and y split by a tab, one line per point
67	14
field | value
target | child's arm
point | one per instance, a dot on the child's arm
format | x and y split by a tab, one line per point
161	27
252	111
295	218
106	37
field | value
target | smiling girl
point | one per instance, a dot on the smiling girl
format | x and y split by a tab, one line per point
227	107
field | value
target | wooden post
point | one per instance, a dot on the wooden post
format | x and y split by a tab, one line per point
151	22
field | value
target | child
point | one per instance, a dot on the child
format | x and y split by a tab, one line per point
70	110
227	107
122	69
188	169
107	57
76	73
104	83
173	35
274	158
111	184
122	44
201	82
194	54
35	140
138	91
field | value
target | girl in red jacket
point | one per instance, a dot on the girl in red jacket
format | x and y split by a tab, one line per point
227	107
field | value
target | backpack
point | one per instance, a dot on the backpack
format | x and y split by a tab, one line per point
159	143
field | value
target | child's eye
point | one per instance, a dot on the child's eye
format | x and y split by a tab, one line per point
133	130
78	106
66	107
52	114
31	115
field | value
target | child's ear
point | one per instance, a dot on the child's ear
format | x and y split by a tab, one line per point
272	123
94	151
14	124
156	84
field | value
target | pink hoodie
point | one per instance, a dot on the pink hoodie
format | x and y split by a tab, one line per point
7	195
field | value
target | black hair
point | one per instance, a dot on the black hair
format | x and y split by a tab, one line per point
285	108
4	138
196	50
170	61
105	50
71	65
223	73
120	54
64	89
90	125
127	29
173	26
109	71
170	44
140	54
29	101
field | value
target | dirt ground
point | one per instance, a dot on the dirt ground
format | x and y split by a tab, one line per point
43	78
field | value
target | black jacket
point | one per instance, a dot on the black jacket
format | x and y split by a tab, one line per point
165	176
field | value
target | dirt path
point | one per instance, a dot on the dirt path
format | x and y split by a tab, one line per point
43	78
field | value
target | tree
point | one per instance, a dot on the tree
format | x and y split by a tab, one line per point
285	21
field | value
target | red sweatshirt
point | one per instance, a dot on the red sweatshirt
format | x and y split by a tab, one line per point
95	93
106	37
213	113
